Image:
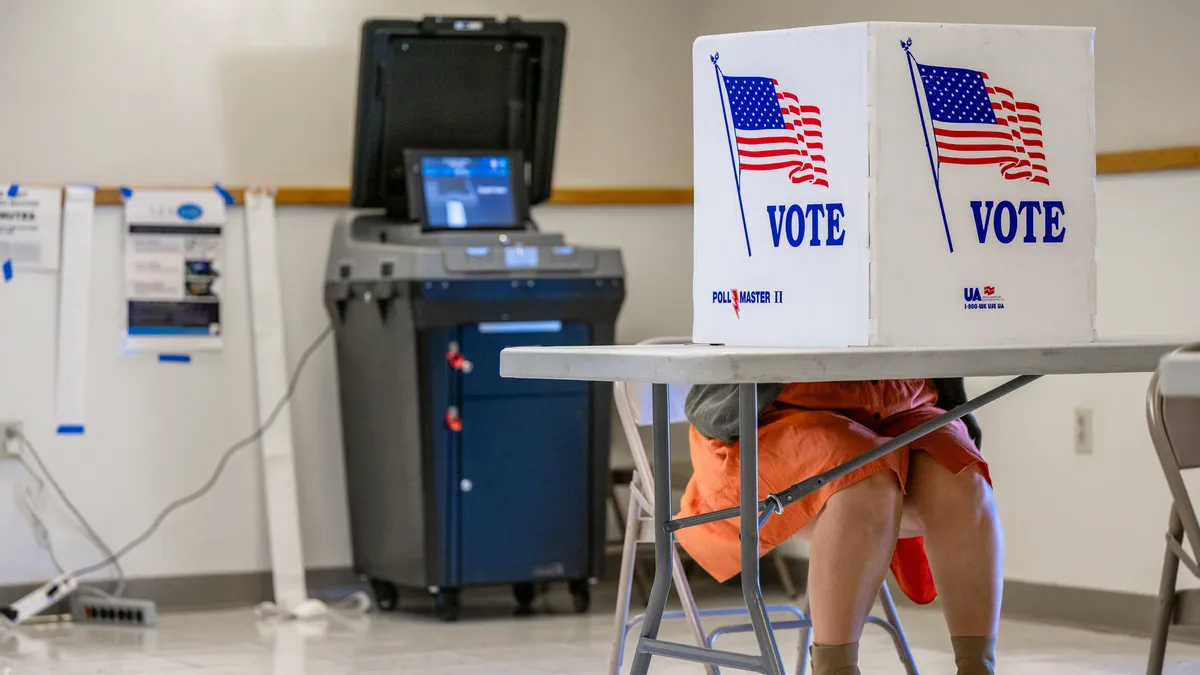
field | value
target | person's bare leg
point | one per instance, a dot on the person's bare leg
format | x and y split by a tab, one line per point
852	544
965	545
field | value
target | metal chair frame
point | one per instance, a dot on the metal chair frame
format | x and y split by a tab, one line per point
638	530
1174	423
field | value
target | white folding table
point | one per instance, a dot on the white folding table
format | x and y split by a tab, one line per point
662	365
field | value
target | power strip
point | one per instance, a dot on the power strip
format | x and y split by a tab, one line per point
114	611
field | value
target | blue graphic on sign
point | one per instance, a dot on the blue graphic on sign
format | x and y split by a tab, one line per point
767	128
189	211
1004	218
794	219
985	298
738	298
977	123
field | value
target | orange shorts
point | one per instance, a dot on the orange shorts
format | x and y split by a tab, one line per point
812	428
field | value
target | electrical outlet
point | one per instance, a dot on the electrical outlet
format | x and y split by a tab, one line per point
1083	431
7	443
114	611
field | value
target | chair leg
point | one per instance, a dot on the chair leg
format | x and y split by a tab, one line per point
806	638
639	575
785	575
689	606
898	636
616	505
633	520
641	581
1166	599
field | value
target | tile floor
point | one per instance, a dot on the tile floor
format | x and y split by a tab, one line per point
490	641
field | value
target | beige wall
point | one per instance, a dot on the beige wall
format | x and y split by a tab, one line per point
186	92
240	91
1146	50
194	91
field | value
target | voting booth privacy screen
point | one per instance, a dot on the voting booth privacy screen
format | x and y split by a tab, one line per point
895	184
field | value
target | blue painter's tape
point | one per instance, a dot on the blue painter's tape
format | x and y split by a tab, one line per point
7	266
13	190
126	193
70	430
174	358
224	194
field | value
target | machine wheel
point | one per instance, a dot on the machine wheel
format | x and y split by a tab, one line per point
387	597
524	595
447	605
582	594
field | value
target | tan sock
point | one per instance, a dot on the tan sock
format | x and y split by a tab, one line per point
974	655
835	659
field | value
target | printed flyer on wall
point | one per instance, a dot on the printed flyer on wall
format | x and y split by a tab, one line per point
30	222
174	259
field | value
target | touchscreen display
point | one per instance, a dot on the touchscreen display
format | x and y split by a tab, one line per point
464	192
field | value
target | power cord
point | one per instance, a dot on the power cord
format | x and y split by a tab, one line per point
44	534
41	532
112	559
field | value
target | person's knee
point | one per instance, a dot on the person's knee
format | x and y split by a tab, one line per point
874	500
935	490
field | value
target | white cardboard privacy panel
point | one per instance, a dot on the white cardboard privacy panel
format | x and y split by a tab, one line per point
894	184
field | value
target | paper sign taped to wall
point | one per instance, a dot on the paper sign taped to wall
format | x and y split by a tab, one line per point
30	222
174	262
74	295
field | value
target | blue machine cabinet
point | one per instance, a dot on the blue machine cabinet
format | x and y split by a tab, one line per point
506	533
456	476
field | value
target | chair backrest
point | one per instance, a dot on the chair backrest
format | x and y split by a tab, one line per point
1179	388
1173	414
635	402
1181	416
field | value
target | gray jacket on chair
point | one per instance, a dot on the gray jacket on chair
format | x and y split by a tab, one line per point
713	408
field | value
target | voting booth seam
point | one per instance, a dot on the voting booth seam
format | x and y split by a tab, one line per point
894	184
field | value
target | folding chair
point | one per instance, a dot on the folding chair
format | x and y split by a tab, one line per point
633	409
1173	415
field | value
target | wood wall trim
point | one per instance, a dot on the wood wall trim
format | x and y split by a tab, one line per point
340	196
1162	159
648	195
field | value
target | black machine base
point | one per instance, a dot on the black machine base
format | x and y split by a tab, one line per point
448	606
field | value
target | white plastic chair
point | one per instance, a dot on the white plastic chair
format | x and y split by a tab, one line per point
1173	415
634	410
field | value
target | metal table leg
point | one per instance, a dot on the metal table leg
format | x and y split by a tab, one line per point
751	588
663	540
770	661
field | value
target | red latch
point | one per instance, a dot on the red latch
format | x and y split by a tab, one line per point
453	420
456	359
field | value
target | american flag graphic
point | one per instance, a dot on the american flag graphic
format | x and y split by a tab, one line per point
775	131
975	122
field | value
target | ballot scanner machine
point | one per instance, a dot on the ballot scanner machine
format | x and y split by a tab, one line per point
457	477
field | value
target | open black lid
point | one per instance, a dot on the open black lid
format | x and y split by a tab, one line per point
454	84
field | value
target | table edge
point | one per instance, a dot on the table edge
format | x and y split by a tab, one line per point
1076	359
